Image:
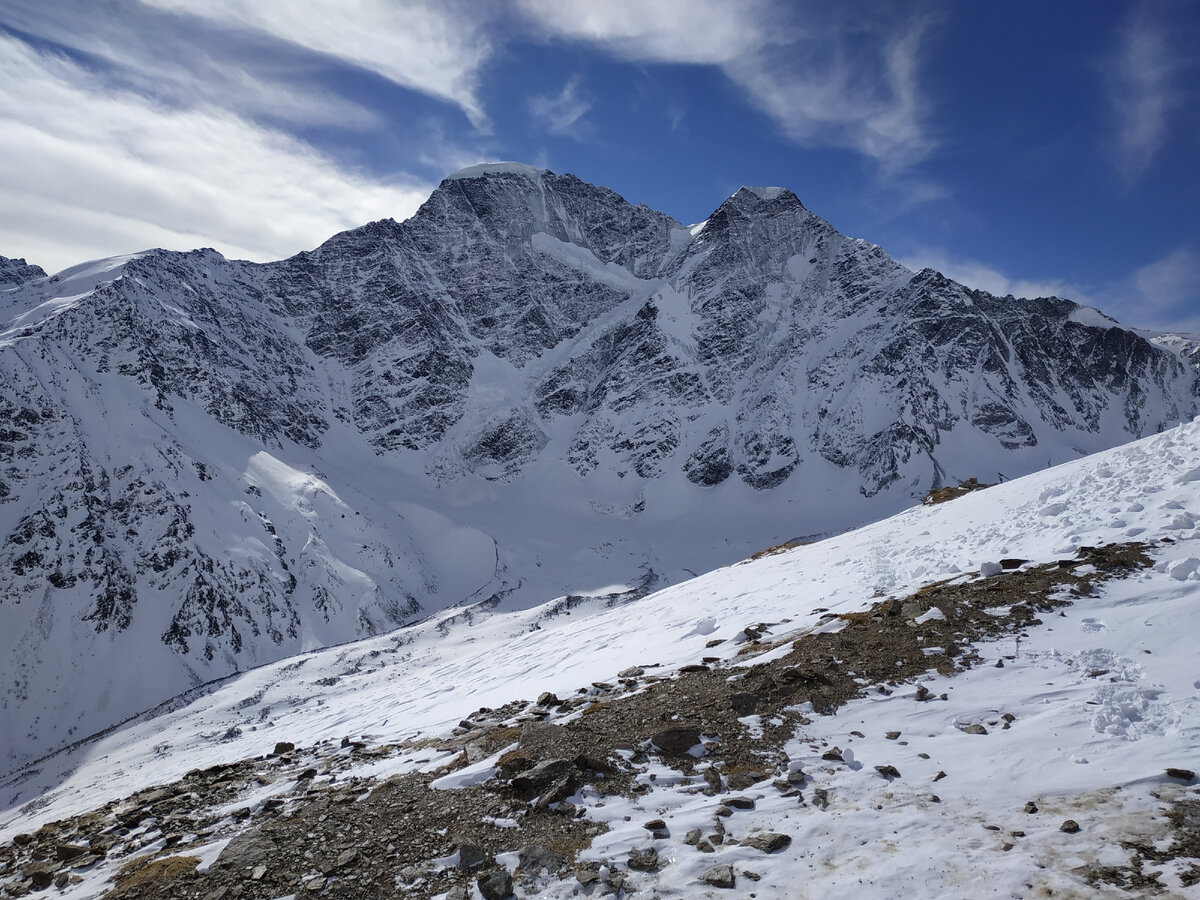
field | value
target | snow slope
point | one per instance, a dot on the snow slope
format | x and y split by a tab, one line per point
1083	747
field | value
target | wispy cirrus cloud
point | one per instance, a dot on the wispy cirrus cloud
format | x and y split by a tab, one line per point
1143	91
1165	293
436	47
188	62
89	171
824	76
561	113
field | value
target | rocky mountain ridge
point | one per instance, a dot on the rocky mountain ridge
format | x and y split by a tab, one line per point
530	389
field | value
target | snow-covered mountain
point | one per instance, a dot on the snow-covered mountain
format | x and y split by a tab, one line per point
992	697
532	389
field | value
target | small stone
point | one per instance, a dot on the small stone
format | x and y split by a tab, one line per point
723	810
1009	717
632	672
535	858
692	838
888	771
61	880
1017	834
676	741
934	798
974	728
767	842
833	754
740	802
1031	807
705	847
655	825
1006	846
743	703
939	776
643	860
495	885
741	780
470	857
68	852
1181	774
923	755
586	876
712	778
41	878
315	884
283	747
258	873
546	698
892	735
719	876
1070	826
922	692
753	876
346	857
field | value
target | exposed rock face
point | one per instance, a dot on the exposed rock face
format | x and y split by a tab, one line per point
15	272
206	464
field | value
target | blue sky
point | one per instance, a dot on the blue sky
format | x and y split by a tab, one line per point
1023	147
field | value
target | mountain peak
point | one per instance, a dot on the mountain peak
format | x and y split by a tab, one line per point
766	194
482	170
17	271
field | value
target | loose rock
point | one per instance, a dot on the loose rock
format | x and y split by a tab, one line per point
719	876
767	842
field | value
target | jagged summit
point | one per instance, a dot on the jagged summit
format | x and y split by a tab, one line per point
15	272
498	168
531	389
769	194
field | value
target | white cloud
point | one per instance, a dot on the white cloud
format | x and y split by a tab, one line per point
821	74
706	32
437	47
561	113
1165	293
172	60
1142	93
983	277
86	171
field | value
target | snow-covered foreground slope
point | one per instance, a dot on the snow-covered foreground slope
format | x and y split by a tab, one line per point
1103	698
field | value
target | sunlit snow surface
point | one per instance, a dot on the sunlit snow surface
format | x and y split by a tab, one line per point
1082	747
